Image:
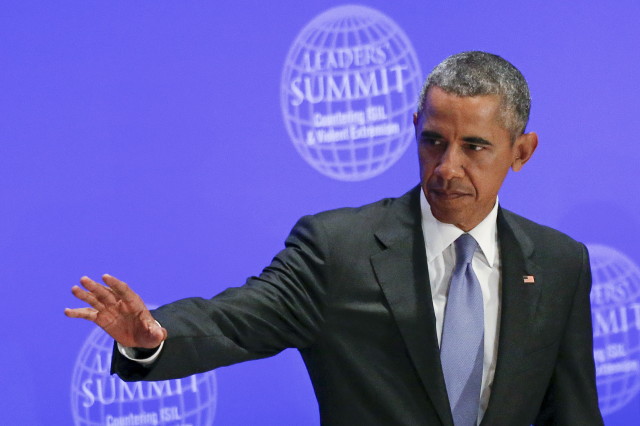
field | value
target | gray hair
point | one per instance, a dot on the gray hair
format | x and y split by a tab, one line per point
481	73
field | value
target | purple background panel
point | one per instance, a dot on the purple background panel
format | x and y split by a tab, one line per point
145	139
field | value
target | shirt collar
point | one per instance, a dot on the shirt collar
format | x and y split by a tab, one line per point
438	235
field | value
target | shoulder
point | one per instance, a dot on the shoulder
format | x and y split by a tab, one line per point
554	243
534	229
351	219
356	228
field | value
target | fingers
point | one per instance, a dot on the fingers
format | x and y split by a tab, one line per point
87	297
84	313
101	293
123	292
120	288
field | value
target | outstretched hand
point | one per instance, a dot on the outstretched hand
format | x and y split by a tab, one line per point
119	311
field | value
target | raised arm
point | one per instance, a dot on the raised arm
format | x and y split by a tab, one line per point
119	311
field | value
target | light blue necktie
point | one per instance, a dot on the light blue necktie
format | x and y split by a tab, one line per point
462	347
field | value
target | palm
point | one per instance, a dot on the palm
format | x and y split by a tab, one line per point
119	311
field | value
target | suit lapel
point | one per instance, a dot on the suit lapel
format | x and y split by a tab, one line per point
519	301
401	270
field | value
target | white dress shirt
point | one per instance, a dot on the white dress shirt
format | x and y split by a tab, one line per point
441	260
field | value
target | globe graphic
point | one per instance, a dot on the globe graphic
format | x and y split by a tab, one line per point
615	302
348	92
97	398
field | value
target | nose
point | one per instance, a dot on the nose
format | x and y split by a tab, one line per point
450	164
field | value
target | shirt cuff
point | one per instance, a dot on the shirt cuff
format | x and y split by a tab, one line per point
134	354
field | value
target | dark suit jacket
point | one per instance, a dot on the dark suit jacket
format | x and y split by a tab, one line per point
351	292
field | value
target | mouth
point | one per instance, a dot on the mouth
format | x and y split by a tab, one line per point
446	194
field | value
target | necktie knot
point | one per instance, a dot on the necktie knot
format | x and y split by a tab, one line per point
465	248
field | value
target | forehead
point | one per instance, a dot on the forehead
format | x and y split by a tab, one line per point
442	106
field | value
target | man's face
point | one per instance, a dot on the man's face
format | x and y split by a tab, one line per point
465	153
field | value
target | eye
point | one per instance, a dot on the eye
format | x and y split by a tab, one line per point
474	147
431	141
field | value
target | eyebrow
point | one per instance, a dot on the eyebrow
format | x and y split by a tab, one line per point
477	140
428	134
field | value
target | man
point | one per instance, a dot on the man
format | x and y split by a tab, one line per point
394	327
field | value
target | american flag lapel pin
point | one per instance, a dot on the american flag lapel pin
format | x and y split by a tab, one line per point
528	279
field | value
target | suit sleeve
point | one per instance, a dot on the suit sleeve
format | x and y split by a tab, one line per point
572	395
279	309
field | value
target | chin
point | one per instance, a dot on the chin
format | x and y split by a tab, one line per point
445	217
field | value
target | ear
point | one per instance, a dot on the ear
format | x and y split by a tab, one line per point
523	149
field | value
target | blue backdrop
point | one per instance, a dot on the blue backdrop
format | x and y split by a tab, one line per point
145	139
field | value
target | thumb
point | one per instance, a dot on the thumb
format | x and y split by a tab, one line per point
163	332
156	332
